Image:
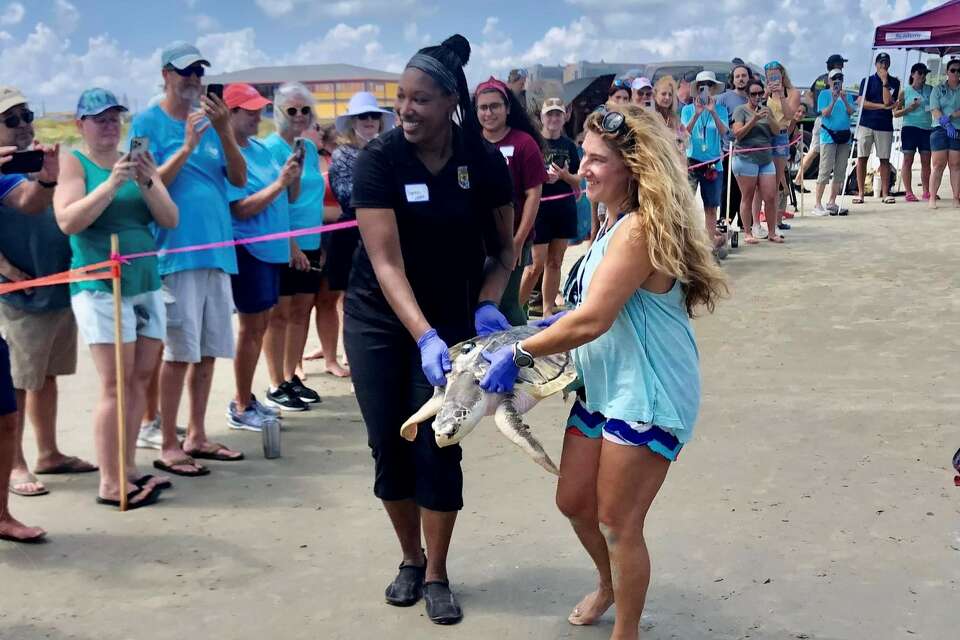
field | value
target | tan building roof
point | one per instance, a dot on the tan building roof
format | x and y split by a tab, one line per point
303	73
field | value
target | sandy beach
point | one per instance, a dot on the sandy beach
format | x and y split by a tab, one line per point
815	501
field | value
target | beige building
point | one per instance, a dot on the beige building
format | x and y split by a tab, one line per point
331	84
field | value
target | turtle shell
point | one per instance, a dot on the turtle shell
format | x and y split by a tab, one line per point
548	375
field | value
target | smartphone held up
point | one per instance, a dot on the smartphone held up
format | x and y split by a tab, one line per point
30	161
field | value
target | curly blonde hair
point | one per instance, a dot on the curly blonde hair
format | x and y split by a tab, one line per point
671	115
667	221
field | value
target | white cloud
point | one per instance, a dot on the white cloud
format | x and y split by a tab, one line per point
232	50
276	8
12	14
412	35
204	22
343	43
66	16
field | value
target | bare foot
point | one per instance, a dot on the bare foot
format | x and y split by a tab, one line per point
592	607
335	369
15	531
315	355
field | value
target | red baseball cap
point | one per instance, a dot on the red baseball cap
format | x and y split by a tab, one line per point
243	96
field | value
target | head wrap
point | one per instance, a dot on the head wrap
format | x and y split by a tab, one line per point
436	70
492	84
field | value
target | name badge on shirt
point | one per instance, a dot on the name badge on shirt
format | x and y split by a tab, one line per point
507	151
417	192
463	177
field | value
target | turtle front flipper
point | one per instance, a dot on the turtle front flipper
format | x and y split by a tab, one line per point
408	430
511	424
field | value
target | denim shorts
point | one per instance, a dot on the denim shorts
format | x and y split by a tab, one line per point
710	190
913	139
743	167
782	143
143	315
632	434
940	141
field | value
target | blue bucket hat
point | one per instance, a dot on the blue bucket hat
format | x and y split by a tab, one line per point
181	55
95	101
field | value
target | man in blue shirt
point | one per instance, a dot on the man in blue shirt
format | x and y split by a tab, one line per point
39	326
198	155
876	125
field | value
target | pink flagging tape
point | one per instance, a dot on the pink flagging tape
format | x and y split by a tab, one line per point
282	235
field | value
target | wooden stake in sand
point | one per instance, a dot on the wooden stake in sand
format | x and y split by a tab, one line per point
118	351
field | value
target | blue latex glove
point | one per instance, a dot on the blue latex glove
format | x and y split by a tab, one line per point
543	323
502	374
944	122
434	358
488	319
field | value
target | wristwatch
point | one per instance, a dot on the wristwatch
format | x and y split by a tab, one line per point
47	185
521	358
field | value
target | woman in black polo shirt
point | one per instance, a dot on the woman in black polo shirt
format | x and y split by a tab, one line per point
427	195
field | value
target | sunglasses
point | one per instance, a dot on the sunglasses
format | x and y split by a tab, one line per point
621	84
192	70
370	116
613	121
304	111
13	121
953	70
756	94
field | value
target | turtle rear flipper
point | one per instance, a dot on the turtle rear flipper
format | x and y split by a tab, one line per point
511	425
408	430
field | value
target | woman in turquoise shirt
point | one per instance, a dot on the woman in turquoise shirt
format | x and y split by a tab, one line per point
945	138
914	108
300	281
648	271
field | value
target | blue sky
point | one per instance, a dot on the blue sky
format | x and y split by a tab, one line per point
53	49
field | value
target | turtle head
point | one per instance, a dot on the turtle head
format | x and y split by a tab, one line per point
464	403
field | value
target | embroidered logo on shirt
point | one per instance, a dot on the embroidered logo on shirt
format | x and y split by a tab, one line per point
463	177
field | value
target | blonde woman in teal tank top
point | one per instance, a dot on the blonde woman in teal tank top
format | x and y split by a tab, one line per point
102	192
648	271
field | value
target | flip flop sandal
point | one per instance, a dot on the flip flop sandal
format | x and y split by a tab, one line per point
776	239
30	479
215	454
407	588
889	200
857	201
442	607
143	481
150	498
71	464
169	468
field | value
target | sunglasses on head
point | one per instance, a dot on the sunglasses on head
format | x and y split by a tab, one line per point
613	121
373	115
13	121
292	111
621	84
192	70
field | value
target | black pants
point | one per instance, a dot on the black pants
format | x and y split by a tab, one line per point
390	387
734	193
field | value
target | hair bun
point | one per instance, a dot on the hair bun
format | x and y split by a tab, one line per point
459	46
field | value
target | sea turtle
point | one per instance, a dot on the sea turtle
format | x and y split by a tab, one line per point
461	404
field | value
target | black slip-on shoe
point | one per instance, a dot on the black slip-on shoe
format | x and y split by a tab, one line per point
407	588
442	607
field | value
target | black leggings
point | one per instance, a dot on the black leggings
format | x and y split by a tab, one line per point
390	387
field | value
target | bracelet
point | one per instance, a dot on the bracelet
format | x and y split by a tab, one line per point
148	184
47	185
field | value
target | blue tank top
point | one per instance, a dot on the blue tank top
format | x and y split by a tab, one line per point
645	368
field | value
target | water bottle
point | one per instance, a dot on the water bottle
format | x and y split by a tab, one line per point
271	439
876	184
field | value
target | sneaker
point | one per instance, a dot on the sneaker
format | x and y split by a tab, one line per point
247	420
284	398
820	211
723	252
264	410
150	436
302	391
759	232
783	226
